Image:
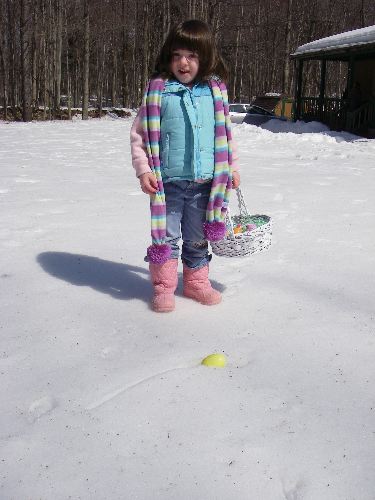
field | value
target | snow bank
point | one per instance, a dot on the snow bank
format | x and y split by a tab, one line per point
306	130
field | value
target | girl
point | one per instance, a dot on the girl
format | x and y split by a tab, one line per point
182	152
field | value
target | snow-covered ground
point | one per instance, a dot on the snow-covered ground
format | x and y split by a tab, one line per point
103	399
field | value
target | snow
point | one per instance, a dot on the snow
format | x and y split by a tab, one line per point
301	127
104	399
237	117
352	38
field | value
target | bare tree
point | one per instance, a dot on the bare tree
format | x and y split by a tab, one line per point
58	52
25	37
285	87
86	60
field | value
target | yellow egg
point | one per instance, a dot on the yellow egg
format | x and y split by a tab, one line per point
215	360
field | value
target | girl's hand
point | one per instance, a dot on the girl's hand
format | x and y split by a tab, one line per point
236	179
149	184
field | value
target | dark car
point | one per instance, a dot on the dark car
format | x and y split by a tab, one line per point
258	116
237	112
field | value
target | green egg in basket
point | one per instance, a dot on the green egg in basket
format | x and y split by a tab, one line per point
246	234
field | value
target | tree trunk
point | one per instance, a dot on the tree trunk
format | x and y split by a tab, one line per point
77	79
166	17
69	88
235	76
34	58
11	57
58	56
4	80
114	77
25	37
3	59
145	45
124	51
285	87
67	68
86	61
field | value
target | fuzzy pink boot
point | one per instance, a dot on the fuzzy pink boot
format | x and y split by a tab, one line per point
164	279
198	287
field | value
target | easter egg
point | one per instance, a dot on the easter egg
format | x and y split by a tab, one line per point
215	360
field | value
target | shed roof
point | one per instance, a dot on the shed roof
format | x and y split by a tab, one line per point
339	46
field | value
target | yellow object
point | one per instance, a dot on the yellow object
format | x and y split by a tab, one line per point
237	230
284	108
215	360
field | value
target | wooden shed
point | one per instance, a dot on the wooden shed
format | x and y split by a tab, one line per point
354	110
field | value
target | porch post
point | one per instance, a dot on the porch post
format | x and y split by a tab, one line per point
298	89
323	68
350	78
348	123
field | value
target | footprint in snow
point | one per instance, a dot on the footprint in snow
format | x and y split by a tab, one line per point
41	407
11	244
109	353
280	215
321	183
354	202
232	290
28	181
294	492
57	211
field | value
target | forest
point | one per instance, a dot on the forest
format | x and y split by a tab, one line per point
60	55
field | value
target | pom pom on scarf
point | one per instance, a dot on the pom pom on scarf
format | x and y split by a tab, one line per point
214	231
159	254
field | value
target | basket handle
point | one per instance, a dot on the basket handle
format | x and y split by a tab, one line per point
242	207
241	203
229	223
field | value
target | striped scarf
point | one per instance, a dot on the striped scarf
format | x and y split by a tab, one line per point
214	227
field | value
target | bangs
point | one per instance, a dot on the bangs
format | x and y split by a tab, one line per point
188	42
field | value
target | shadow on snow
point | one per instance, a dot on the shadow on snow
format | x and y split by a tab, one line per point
121	281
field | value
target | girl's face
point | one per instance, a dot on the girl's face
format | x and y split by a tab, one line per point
184	65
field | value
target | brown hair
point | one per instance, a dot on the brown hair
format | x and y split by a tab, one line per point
196	36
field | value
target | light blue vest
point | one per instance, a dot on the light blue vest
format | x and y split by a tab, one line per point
187	132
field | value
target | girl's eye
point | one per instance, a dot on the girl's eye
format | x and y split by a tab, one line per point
190	57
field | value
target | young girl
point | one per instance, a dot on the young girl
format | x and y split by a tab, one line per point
182	152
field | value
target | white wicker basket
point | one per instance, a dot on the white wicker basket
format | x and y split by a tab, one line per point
248	242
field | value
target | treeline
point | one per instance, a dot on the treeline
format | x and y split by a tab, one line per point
81	53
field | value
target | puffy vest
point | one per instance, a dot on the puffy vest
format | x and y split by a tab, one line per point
187	132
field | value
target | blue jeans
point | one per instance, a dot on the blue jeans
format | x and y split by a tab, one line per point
186	212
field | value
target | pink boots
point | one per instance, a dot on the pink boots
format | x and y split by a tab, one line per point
164	280
198	287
